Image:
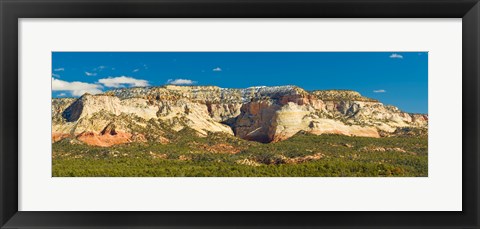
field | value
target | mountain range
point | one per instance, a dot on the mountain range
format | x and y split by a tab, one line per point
263	114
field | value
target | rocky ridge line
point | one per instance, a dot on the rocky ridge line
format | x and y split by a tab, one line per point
264	114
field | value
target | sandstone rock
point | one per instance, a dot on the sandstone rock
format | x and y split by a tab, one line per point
263	114
104	140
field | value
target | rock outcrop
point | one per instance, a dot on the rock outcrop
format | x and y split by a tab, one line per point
264	114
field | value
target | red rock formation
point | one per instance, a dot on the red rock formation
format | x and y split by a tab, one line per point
104	140
59	136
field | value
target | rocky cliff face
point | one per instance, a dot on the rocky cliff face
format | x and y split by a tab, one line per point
265	114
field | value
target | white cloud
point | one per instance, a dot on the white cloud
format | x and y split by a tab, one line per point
181	82
379	91
122	81
55	75
396	56
136	70
99	68
217	69
58	69
75	88
62	94
90	73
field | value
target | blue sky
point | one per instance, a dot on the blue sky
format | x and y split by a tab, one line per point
395	78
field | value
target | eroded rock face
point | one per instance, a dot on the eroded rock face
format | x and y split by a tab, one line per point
279	119
263	114
255	120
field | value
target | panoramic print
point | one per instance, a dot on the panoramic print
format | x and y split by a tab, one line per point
239	114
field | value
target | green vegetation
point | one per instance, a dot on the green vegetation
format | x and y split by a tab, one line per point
303	155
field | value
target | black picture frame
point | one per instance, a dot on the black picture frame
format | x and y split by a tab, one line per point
12	10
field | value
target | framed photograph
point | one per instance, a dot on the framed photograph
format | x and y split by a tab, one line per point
239	114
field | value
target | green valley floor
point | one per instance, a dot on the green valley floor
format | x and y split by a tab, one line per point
303	155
